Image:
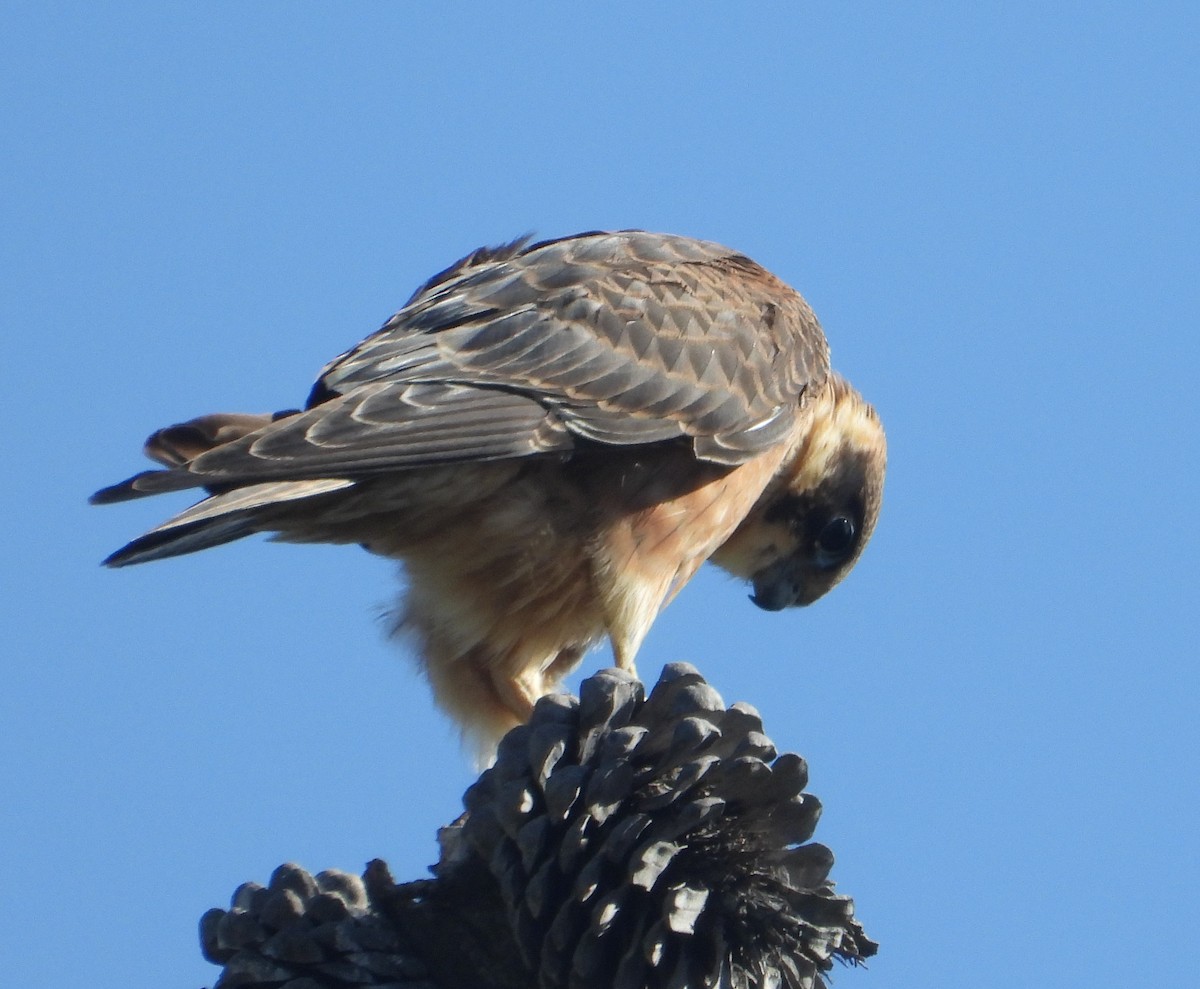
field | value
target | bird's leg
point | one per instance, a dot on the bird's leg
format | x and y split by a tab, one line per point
624	652
517	694
563	663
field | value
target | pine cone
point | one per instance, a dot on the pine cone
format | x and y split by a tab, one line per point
656	842
619	841
304	932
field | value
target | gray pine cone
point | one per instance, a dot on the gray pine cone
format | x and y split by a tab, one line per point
658	842
308	932
619	842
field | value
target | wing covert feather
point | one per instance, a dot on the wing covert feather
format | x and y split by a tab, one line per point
386	426
629	337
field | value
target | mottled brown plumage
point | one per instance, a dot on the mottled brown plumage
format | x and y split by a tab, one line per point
553	438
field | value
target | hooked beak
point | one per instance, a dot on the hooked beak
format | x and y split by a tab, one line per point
778	586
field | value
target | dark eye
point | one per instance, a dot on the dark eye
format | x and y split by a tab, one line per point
835	539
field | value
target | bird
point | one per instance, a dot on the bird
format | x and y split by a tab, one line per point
552	438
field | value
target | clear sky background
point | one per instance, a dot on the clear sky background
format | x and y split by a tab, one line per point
993	207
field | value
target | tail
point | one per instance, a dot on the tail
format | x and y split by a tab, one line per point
220	518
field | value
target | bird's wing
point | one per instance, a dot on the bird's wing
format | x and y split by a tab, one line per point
375	428
629	337
623	339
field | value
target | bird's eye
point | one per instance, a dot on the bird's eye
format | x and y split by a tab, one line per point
835	538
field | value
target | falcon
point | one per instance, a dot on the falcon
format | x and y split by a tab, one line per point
552	438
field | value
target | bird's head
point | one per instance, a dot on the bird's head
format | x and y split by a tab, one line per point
812	523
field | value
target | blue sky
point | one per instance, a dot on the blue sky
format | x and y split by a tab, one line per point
992	207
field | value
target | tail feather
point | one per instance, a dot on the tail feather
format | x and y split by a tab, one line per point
219	519
148	482
160	544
